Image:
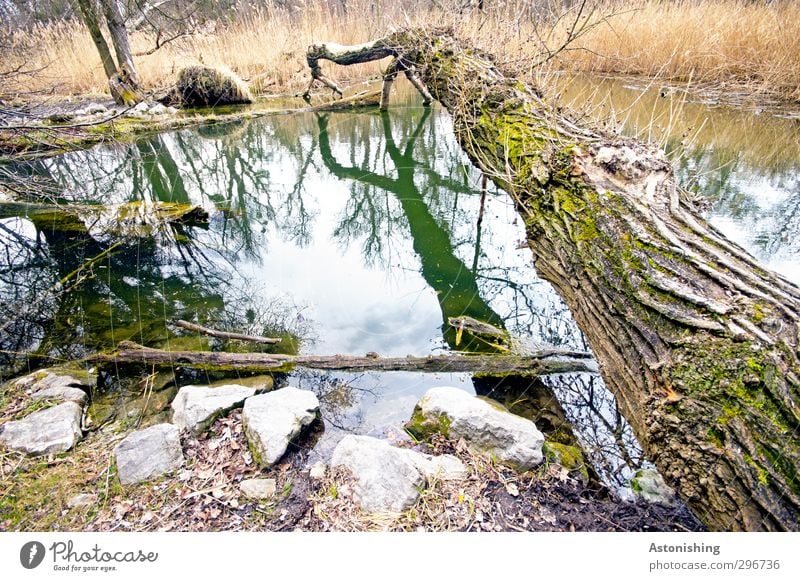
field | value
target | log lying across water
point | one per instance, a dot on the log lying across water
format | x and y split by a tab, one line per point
698	342
546	361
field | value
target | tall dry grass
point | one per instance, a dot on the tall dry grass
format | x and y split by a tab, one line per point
751	44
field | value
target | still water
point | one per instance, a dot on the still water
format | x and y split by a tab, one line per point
354	233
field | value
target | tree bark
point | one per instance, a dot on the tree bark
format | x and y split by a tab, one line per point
123	81
698	342
545	361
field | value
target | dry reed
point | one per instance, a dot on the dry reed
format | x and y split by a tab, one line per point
753	45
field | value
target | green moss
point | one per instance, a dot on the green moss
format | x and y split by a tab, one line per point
570	457
422	427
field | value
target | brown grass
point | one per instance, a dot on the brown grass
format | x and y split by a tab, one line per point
753	45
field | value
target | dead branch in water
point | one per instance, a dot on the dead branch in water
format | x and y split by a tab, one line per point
225	334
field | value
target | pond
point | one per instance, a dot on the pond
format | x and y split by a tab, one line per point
349	233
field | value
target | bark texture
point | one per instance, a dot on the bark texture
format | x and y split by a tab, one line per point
698	342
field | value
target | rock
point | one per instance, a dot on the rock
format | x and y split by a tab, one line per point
82	500
196	407
148	453
273	420
61	393
157	109
649	485
444	467
58	384
386	480
486	426
259	488
199	86
569	457
317	471
389	479
49	431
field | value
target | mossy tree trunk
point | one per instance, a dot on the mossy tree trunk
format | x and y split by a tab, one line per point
698	342
123	80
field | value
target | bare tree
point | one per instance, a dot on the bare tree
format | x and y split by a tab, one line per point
123	80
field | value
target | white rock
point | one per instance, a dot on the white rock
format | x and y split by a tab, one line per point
389	479
56	429
259	488
157	109
58	384
488	427
196	407
443	467
273	420
148	453
82	500
317	471
649	485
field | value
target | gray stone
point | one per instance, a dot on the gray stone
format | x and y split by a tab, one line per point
148	453
317	471
259	488
389	479
56	429
58	384
443	467
485	426
82	500
273	420
649	485
196	407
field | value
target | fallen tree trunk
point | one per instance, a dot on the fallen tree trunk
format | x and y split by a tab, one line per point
546	361
698	342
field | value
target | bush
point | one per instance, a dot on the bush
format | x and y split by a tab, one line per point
206	87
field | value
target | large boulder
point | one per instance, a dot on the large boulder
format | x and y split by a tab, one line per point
389	479
200	86
273	420
148	453
49	431
485	426
196	407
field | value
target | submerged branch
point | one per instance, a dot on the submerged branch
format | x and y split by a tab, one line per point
543	362
226	334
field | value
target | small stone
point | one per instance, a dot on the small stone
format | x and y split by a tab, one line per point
196	407
57	383
317	471
649	485
259	488
148	453
82	500
56	429
273	420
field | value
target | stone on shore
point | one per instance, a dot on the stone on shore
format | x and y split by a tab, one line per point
487	427
58	384
259	488
389	479
649	485
148	453
273	420
196	407
49	431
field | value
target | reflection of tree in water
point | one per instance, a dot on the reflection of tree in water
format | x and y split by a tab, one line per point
602	430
